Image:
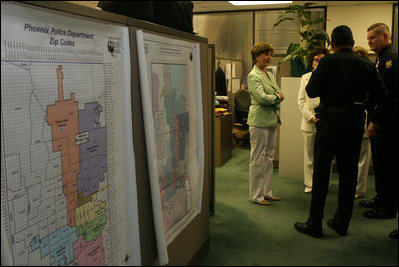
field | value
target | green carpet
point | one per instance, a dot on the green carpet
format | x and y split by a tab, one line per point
243	233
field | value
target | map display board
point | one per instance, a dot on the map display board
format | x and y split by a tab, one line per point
172	103
68	188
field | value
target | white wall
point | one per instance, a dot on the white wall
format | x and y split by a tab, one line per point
291	140
358	18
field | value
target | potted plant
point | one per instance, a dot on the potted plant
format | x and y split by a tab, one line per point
309	37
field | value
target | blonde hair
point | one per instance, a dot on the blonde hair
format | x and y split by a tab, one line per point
361	51
260	48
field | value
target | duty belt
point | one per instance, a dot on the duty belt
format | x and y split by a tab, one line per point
357	106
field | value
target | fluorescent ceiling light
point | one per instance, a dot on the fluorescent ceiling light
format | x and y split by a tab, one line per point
253	3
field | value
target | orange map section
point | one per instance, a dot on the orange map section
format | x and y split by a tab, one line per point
63	117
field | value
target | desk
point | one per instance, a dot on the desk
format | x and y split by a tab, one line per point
223	139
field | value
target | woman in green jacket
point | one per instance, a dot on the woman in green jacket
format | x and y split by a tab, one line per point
263	118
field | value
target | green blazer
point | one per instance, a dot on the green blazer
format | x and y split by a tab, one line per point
265	102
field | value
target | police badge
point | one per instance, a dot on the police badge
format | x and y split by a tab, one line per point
388	64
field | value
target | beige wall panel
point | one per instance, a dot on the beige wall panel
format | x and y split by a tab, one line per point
291	141
358	18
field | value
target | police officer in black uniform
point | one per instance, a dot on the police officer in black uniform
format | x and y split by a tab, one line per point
384	132
346	84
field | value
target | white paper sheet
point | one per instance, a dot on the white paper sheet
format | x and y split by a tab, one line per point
235	84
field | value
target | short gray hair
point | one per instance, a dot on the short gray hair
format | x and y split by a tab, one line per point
379	28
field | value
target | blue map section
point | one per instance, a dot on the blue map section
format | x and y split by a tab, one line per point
59	245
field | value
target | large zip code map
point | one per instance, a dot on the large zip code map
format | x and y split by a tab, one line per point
64	178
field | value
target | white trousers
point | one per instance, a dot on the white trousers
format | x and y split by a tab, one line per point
263	144
308	156
363	166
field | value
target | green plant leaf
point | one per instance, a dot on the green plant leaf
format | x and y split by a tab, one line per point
308	38
320	36
295	7
306	34
281	20
304	60
317	21
293	48
287	58
287	12
307	14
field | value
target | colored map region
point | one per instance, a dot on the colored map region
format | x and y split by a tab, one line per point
56	215
68	182
81	140
171	118
63	119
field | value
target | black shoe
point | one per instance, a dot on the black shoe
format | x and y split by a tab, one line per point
377	214
331	223
368	203
304	228
394	234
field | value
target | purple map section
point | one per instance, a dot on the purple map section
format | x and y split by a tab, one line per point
93	154
89	117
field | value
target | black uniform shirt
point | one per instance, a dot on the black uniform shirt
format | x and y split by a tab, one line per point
343	78
387	65
388	69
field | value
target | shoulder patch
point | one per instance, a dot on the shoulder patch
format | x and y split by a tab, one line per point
315	67
388	63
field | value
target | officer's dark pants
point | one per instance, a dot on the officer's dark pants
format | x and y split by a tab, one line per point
377	169
338	134
385	160
396	155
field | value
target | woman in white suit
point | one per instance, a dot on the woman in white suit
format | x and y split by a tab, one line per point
308	125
